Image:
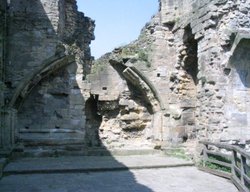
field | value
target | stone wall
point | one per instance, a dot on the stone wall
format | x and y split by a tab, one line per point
216	98
47	61
126	115
184	79
38	29
193	54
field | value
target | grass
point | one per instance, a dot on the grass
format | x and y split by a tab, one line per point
219	158
142	56
177	152
98	66
137	52
215	166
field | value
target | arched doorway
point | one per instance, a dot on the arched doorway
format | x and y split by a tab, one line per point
51	108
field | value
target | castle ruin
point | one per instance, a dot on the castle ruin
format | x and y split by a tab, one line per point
183	80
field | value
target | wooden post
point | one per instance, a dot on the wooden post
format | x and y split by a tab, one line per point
205	156
242	168
234	160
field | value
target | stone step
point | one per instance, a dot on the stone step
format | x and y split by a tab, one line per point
49	150
80	150
57	140
79	164
50	135
50	142
51	131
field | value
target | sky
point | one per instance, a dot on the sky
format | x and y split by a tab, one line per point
118	22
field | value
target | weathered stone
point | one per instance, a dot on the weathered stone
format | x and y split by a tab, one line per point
190	63
195	96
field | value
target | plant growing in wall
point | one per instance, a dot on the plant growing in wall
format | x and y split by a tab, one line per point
134	51
143	55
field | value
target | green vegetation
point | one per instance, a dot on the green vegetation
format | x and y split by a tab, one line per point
136	52
219	158
215	166
143	56
98	66
128	51
177	19
178	152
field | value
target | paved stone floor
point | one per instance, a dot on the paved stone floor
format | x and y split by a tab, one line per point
181	179
91	163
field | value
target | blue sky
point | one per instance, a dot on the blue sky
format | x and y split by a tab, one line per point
118	22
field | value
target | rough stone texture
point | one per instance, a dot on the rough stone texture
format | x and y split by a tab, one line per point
126	116
193	57
214	25
184	79
48	57
56	23
54	111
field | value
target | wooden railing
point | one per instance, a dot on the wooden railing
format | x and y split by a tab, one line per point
230	161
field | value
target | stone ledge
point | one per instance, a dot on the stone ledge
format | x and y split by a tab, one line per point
78	150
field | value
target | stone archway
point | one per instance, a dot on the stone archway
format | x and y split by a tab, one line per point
47	67
237	105
50	107
131	107
93	122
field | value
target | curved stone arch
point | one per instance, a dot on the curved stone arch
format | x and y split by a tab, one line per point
137	78
134	76
151	87
47	67
238	88
238	63
241	36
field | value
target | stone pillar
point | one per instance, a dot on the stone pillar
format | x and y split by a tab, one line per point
6	116
3	29
157	126
7	131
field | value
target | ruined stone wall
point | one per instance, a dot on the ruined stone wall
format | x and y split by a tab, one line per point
36	29
219	111
126	117
184	79
192	56
32	37
48	59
